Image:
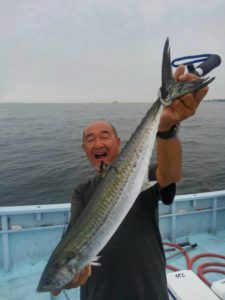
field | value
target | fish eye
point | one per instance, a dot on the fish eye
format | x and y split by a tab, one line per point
47	282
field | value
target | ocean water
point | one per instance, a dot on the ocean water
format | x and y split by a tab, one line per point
42	160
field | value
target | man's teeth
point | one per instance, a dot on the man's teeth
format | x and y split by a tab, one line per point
100	155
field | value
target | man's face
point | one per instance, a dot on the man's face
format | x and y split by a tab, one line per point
100	143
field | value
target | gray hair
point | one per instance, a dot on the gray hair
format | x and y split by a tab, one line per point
113	128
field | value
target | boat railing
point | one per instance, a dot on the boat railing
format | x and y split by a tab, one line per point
192	214
31	232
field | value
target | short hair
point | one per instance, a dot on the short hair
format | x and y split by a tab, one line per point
113	128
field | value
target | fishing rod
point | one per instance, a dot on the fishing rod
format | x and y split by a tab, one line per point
208	63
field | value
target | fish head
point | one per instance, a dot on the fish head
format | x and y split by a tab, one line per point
55	278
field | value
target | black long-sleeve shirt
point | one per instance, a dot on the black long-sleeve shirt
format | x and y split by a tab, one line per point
133	261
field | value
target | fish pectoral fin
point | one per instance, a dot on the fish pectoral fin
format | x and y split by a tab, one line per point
96	264
94	261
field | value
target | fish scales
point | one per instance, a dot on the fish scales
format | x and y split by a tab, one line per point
115	193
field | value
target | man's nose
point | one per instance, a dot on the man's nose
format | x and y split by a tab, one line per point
98	143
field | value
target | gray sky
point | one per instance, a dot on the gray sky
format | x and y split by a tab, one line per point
101	50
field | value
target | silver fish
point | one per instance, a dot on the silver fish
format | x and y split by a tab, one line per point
116	193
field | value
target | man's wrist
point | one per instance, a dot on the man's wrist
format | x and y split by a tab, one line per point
172	132
165	126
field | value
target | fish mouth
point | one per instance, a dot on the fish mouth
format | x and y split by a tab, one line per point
42	289
45	286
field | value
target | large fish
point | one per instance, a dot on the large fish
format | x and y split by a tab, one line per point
116	193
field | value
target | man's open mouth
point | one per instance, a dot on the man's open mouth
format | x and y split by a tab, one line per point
100	155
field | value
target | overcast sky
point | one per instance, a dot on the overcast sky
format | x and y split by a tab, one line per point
101	50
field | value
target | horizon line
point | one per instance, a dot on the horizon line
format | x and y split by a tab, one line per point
95	102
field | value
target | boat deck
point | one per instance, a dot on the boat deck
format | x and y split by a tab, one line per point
21	281
206	243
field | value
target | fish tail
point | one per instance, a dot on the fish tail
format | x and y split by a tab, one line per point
172	89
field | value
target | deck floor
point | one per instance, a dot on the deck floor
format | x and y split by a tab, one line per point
22	280
206	243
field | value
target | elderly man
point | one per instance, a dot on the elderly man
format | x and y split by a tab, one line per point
133	261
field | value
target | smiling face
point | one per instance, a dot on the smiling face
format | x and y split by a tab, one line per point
100	143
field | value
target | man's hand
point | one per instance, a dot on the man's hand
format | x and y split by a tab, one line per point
184	107
78	280
169	155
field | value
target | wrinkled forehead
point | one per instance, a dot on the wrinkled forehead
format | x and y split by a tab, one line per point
98	127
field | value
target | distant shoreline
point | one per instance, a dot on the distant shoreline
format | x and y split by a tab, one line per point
215	100
91	102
